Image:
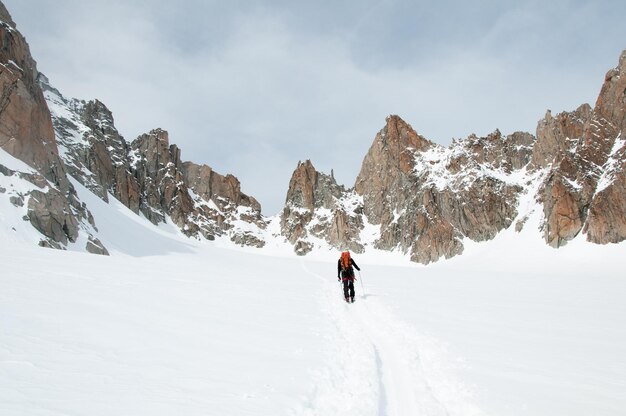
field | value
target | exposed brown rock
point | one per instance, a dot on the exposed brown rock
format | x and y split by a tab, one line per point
611	103
222	190
427	198
563	210
387	168
26	132
302	186
315	207
578	146
25	126
148	175
51	215
167	184
302	247
606	222
163	189
96	155
560	134
94	246
607	214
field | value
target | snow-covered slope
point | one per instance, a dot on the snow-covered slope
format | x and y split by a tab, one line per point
167	325
147	175
32	209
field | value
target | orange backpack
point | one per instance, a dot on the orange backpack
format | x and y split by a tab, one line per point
345	260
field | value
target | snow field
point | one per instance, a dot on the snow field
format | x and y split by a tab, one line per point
88	335
196	329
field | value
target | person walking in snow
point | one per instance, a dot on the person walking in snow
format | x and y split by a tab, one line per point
345	273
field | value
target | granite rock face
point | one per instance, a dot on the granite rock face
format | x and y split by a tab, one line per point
387	172
197	199
94	152
606	221
220	201
425	200
25	127
583	190
26	133
148	175
317	208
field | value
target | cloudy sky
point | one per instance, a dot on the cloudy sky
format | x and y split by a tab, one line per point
252	87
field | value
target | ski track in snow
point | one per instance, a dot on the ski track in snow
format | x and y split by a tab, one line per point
380	366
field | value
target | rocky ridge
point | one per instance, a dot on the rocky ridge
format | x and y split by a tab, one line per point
26	133
424	199
584	190
148	175
317	208
61	140
421	198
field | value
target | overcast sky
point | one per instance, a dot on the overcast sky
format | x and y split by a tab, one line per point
252	87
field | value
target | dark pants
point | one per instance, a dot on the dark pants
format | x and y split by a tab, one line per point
348	288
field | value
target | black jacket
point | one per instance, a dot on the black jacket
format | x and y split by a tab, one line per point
350	271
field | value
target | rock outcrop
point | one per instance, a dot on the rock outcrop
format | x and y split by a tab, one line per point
148	175
26	132
197	199
220	200
93	151
62	138
583	152
427	198
25	127
318	209
606	221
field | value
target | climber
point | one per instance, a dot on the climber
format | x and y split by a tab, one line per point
345	272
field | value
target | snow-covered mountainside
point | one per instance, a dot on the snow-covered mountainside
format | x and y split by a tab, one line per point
148	176
61	140
428	201
35	209
35	189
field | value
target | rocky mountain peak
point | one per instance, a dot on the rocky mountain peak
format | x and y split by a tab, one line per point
25	126
399	135
224	191
5	16
311	189
581	150
302	185
318	208
148	176
27	133
387	167
559	134
611	102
